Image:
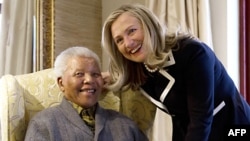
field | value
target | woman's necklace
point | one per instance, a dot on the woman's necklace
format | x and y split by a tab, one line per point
149	69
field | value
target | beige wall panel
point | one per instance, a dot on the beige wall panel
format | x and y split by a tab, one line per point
78	23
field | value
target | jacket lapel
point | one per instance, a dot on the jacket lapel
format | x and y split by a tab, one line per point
100	118
71	114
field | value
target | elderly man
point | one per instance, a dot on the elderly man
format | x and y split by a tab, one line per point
79	117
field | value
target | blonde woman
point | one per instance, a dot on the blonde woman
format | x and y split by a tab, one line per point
177	72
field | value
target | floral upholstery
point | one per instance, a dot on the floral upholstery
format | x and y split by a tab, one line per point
22	96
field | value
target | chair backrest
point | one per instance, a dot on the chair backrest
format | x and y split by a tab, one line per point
22	96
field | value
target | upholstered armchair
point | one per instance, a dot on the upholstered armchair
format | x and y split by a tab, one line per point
22	96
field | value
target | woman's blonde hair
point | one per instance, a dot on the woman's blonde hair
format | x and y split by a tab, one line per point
128	73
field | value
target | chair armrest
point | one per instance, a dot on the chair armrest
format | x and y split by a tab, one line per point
11	98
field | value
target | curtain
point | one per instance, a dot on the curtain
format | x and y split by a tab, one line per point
244	48
189	15
16	37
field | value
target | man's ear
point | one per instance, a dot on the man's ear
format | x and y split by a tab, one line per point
60	83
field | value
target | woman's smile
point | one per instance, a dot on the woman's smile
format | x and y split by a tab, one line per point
135	50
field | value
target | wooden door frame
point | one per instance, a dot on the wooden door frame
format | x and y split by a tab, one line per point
244	48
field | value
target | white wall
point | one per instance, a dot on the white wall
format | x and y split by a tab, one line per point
225	30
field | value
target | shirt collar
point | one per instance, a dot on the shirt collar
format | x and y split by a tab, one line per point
170	60
79	109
